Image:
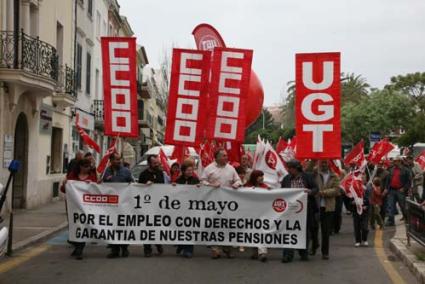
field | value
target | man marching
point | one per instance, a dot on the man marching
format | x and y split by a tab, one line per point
220	174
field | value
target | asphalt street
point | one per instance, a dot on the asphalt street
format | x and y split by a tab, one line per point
50	262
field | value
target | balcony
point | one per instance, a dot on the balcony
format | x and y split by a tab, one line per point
98	114
65	94
143	90
28	61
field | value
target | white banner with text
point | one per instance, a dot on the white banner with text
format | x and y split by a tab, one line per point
117	213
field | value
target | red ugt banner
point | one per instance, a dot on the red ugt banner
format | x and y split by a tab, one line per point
231	70
187	101
119	85
317	106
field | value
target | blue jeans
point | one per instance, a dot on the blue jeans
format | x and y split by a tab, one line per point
394	197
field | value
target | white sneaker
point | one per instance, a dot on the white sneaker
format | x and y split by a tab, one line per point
365	244
357	245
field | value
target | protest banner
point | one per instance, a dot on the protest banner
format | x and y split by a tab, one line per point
116	213
120	86
317	106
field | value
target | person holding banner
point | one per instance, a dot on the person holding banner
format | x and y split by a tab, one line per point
186	177
298	179
153	174
220	174
81	172
328	183
116	172
256	180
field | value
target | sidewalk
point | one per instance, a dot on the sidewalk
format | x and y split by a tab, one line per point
413	256
32	225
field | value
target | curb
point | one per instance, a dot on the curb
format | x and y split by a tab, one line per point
39	237
399	247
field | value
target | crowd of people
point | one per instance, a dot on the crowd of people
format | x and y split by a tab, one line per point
386	186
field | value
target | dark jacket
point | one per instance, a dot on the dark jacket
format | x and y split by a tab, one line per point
191	180
154	176
404	178
121	175
310	183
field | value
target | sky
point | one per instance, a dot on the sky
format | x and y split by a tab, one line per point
377	39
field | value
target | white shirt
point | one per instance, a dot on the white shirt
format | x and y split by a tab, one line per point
225	176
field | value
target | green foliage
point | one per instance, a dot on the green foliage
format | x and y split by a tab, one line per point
381	111
412	84
400	105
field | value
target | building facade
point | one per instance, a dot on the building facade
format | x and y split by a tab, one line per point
50	77
36	92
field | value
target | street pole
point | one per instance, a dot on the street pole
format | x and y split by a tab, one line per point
13	168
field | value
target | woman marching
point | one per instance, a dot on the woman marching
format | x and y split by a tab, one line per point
82	172
256	180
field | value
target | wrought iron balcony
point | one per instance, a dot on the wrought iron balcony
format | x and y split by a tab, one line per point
23	52
66	80
98	111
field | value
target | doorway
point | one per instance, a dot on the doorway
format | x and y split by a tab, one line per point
20	154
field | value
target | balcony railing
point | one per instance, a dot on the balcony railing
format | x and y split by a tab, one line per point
66	80
21	51
98	110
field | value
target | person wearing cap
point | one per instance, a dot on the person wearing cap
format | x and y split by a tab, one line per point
398	184
297	178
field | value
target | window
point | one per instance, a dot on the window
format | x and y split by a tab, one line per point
90	8
141	108
96	84
98	24
79	66
56	151
88	73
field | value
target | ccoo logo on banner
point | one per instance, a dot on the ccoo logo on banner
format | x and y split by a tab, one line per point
119	86
162	214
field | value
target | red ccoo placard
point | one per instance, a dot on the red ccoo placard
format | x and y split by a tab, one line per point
120	86
187	101
231	71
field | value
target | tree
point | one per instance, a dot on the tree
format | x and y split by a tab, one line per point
382	111
265	119
412	84
354	88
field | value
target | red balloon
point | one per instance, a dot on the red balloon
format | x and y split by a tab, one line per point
254	103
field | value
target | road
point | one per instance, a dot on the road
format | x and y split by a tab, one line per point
49	262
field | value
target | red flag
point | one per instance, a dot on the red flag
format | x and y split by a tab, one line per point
164	162
333	165
180	153
353	186
86	138
356	156
421	160
104	162
120	86
281	145
379	150
233	150
317	105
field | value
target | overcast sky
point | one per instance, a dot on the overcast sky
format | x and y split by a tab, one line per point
377	38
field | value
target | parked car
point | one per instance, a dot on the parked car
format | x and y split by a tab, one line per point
168	151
